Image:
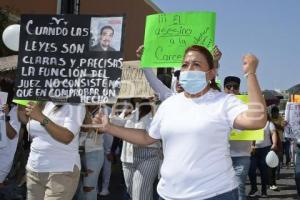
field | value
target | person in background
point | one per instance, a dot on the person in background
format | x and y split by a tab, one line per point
260	149
140	163
53	165
94	155
279	124
194	127
106	169
297	167
239	150
13	125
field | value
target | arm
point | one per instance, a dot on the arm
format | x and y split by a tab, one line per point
159	88
10	131
135	136
274	138
255	117
59	133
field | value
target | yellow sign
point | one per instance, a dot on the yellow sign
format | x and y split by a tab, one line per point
246	134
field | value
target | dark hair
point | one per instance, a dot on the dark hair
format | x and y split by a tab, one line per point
234	79
106	27
144	108
209	58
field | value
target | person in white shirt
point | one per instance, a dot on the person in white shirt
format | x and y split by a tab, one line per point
93	157
239	150
7	153
140	163
53	165
8	113
194	127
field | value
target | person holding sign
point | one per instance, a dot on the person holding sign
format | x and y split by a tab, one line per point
53	165
194	127
239	150
12	126
106	36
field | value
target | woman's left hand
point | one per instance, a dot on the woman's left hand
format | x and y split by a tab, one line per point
34	111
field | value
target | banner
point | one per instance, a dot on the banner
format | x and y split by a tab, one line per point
246	135
3	136
70	58
292	117
134	82
168	35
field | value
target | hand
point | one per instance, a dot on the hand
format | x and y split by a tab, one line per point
33	111
139	52
217	54
103	122
274	147
5	109
250	63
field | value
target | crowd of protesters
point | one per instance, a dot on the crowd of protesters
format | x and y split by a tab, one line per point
180	139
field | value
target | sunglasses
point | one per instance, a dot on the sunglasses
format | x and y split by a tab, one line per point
232	85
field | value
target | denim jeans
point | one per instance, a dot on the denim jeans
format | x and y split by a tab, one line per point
297	172
94	161
258	159
241	167
231	195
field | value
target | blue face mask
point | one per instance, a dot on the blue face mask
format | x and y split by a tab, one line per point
193	82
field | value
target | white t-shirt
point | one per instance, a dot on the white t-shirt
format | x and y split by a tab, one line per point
48	154
195	132
267	136
7	153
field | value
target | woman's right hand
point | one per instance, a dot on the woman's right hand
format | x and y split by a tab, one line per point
250	63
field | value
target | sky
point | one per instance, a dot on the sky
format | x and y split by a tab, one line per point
270	29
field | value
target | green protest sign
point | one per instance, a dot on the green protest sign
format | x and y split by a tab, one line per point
168	35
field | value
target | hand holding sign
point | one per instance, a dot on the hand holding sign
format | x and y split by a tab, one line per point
11	37
34	111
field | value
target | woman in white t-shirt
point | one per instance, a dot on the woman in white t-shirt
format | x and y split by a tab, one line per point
7	152
53	165
194	127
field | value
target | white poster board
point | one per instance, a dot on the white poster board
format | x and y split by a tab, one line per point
292	116
3	137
